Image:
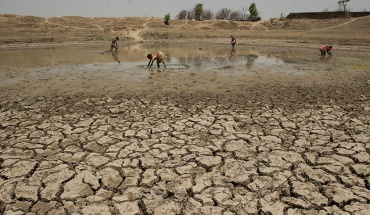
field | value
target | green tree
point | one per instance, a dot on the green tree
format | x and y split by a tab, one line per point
253	12
167	18
198	12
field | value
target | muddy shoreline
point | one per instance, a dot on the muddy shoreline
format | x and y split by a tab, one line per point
302	76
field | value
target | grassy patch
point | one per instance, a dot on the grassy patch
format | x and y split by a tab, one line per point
364	66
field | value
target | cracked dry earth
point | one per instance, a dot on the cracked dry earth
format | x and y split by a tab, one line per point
137	156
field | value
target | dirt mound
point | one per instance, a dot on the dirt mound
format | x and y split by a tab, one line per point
313	24
31	29
225	25
14	22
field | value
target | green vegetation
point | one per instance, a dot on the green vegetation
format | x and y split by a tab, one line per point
198	14
253	12
155	34
364	66
198	11
167	18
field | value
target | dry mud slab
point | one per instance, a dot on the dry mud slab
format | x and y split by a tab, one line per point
273	149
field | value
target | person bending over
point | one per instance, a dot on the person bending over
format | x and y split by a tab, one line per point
159	56
325	49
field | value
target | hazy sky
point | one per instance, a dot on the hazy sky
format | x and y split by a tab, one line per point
158	8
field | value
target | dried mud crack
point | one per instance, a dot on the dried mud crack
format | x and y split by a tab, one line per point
65	155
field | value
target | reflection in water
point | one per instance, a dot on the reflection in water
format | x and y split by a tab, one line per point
53	56
156	46
196	62
96	61
232	52
324	60
197	56
250	60
115	56
237	61
200	56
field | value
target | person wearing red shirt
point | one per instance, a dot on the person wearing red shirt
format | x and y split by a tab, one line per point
325	49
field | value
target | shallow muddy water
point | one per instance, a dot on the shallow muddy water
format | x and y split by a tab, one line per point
200	57
130	62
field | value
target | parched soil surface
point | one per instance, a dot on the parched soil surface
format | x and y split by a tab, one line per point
191	142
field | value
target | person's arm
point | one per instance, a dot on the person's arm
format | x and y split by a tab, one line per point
153	59
150	63
329	52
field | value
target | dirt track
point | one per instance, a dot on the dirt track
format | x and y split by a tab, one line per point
192	142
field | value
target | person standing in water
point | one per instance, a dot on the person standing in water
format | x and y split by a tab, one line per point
159	56
325	49
114	43
233	41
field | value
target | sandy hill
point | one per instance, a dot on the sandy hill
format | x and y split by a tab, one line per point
15	29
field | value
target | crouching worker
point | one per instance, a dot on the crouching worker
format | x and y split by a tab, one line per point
324	49
159	56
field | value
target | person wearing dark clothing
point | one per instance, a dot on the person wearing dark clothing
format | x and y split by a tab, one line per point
233	41
114	44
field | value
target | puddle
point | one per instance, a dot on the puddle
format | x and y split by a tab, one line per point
130	62
179	57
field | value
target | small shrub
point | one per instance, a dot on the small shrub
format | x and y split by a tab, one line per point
167	18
